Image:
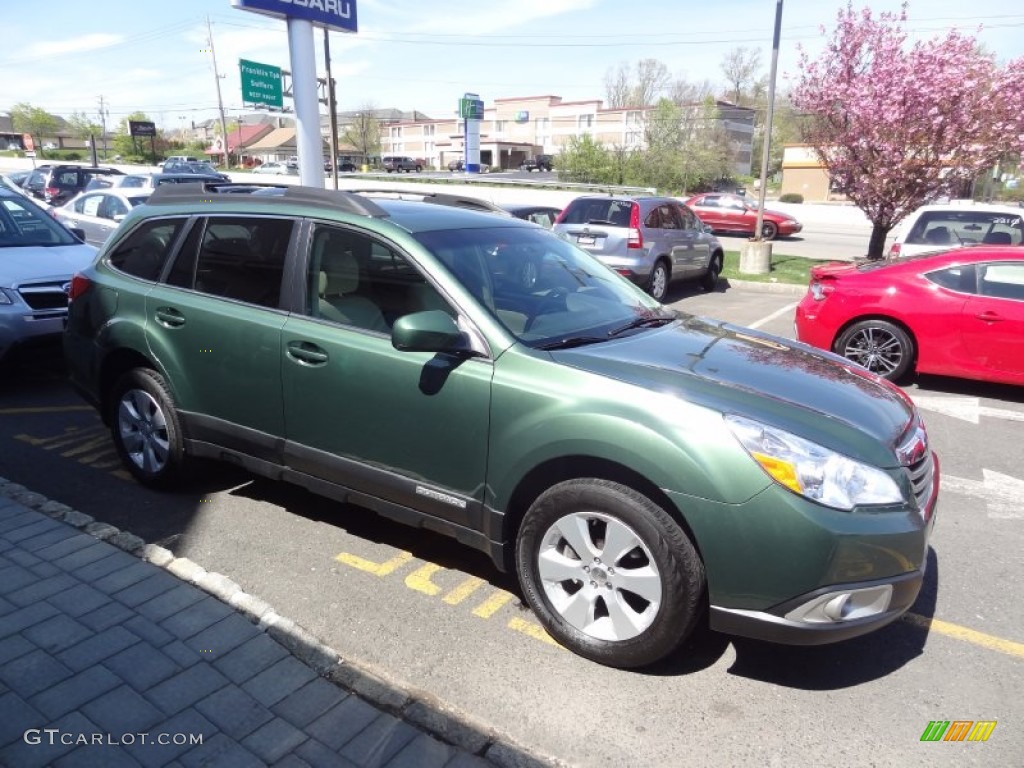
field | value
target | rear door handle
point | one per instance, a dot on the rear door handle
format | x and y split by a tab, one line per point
989	316
169	317
306	353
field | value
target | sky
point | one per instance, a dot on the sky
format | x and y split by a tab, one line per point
155	57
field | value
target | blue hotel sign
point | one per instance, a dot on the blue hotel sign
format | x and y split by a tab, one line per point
333	14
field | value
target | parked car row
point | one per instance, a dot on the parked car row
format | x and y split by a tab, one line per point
641	471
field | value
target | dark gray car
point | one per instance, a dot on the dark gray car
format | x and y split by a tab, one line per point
651	240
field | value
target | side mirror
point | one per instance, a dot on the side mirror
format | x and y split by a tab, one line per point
706	228
118	217
431	331
78	232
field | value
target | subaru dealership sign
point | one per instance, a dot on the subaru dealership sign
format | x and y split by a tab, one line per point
332	14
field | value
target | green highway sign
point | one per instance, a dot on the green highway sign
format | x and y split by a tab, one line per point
261	84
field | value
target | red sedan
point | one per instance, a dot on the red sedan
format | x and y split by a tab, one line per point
956	313
734	214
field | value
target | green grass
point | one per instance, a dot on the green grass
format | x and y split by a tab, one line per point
784	269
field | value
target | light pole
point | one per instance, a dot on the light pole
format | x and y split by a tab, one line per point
756	254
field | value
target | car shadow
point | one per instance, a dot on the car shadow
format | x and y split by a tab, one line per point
930	383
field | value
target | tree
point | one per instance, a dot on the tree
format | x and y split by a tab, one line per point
363	133
638	88
34	121
83	128
584	160
740	67
896	126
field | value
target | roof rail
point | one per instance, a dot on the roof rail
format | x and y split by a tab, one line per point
438	198
167	194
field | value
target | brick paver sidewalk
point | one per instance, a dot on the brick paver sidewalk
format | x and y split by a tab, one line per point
109	660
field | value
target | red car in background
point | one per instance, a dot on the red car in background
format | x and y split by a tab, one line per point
954	313
727	213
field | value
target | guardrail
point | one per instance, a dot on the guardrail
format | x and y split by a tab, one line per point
484	179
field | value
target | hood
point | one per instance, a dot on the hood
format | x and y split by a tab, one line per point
41	263
816	395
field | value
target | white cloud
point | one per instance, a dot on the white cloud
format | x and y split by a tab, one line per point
50	48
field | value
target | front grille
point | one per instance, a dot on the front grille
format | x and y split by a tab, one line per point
922	481
49	296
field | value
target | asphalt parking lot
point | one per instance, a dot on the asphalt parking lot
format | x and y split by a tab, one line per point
438	617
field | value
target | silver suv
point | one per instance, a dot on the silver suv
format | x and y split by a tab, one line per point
650	240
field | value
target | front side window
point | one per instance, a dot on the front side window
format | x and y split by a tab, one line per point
1003	280
144	252
689	220
544	290
358	281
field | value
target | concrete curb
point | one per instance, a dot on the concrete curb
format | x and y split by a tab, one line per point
794	289
416	707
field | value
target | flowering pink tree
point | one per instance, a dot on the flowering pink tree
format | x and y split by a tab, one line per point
898	125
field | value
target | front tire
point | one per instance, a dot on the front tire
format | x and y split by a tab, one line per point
769	230
657	284
609	573
878	345
145	428
710	280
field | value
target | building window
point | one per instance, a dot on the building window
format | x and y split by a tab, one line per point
634	117
395	132
499	126
428	130
585	122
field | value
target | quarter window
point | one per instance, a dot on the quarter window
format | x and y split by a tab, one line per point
144	252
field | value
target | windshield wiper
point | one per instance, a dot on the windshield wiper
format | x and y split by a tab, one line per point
643	322
572	341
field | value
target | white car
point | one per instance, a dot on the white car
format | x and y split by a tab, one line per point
952	225
280	169
99	212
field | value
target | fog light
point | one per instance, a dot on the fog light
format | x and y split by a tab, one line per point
845	605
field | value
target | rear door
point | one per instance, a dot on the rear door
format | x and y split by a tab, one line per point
694	251
215	324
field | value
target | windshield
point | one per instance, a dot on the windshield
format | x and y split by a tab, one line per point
23	224
543	289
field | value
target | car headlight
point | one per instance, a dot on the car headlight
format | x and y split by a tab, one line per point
4	298
811	470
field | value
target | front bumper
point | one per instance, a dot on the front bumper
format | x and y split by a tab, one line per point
781	625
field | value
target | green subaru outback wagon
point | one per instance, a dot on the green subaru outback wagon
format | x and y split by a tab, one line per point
639	469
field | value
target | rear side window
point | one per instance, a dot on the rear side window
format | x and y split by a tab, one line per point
241	258
144	252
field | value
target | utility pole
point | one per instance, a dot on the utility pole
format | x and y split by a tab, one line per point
103	122
220	101
332	109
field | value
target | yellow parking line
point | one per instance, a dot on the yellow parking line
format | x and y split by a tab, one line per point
463	590
536	631
490	606
955	631
67	438
377	569
420	579
88	446
48	409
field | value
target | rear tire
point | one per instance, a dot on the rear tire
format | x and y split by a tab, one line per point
609	573
878	345
146	430
657	285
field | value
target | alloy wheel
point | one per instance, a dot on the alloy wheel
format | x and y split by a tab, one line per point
876	349
142	427
599	576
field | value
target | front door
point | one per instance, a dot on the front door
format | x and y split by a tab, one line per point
993	320
408	427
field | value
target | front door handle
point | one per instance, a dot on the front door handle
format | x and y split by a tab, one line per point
989	316
169	317
306	353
